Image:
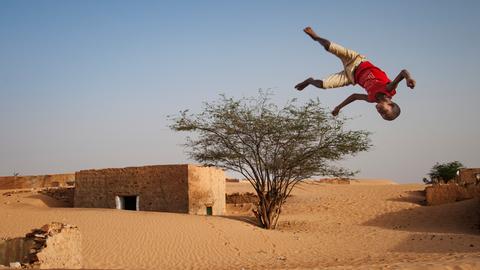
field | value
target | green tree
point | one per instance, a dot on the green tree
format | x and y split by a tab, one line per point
444	172
273	147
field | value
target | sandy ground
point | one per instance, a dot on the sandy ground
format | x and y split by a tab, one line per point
366	225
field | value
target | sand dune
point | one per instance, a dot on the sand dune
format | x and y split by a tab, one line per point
372	182
366	225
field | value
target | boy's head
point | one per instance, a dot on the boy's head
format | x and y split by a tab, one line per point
388	109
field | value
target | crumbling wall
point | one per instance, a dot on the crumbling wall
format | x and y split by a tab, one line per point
53	246
206	188
37	181
161	188
452	192
334	181
63	194
57	246
241	198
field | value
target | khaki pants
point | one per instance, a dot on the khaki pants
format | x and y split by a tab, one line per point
350	60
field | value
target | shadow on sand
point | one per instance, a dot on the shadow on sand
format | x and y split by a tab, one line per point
246	219
458	218
439	243
413	196
443	228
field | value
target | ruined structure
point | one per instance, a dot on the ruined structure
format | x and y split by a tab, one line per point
466	185
170	188
54	246
37	181
468	176
449	193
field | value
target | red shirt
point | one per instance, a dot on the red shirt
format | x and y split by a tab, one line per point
373	80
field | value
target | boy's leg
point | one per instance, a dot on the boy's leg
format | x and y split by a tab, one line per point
346	55
336	80
307	82
324	42
333	81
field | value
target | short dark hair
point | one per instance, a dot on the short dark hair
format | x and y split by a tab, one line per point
394	113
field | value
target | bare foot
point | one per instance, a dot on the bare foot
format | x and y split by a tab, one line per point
303	84
309	31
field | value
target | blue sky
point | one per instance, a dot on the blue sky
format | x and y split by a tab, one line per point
88	84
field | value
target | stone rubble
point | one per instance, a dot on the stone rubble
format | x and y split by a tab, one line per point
15	265
53	246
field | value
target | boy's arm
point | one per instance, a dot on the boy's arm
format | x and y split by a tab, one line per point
404	74
349	100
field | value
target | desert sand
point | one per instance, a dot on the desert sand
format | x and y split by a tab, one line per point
365	225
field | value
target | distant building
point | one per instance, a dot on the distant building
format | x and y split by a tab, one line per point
468	176
182	188
466	185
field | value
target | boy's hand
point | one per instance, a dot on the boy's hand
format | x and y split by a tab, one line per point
335	111
411	83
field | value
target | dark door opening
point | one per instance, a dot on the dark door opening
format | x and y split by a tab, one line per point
130	202
127	202
209	211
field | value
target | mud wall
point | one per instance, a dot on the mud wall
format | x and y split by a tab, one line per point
160	188
37	181
61	249
448	193
64	194
206	188
468	176
54	246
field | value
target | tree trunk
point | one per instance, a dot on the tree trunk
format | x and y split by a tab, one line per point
267	211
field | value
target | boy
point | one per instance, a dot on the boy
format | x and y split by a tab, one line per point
357	69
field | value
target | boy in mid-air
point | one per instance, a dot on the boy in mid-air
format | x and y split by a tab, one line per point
357	69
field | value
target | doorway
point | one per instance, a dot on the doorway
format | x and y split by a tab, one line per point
127	202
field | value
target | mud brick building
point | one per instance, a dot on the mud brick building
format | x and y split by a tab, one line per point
468	176
182	188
